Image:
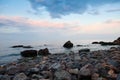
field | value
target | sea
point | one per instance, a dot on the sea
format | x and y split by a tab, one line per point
8	54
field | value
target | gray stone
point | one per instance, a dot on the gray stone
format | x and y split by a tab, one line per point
86	70
62	74
20	76
4	77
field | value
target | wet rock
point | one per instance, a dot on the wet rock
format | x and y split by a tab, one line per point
79	45
5	77
12	70
106	43
44	52
84	50
117	41
95	42
29	53
86	70
17	46
118	77
33	71
68	44
20	76
27	47
55	66
47	75
73	71
36	76
113	49
62	75
95	76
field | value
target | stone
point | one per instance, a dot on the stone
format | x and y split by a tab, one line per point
5	77
84	50
11	70
44	52
86	70
27	47
117	42
20	76
17	46
36	76
73	71
62	75
118	77
95	42
29	53
68	44
95	76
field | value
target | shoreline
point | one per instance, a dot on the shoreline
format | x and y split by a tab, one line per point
93	65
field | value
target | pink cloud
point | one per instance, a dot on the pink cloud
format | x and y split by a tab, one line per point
33	23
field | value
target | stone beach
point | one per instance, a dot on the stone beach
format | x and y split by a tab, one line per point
90	65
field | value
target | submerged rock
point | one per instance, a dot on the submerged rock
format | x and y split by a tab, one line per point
84	50
44	52
17	46
68	44
29	53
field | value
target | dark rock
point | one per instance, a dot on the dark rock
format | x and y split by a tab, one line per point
117	42
84	50
106	43
95	42
43	52
17	46
27	47
68	44
12	70
86	70
79	45
118	77
62	75
5	77
20	76
29	53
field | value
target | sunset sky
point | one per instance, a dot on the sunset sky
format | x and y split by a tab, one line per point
57	20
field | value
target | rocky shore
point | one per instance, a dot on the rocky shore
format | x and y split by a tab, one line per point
84	65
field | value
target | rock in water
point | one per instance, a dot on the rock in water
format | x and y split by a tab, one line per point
29	53
43	52
20	76
84	50
68	44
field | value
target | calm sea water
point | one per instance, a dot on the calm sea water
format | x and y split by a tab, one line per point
8	54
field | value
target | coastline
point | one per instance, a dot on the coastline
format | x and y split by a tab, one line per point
93	65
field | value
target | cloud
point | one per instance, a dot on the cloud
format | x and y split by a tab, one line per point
29	25
114	10
18	24
58	8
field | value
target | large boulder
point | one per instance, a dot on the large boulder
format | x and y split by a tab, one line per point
29	53
68	44
44	52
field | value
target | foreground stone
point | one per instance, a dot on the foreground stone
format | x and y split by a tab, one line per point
95	65
68	44
20	76
44	52
29	53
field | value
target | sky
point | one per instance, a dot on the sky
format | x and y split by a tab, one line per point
27	21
